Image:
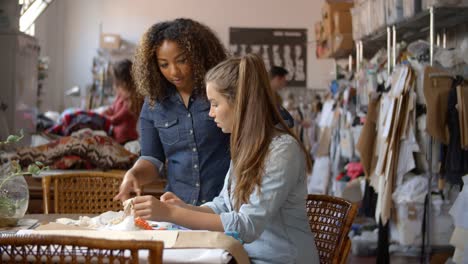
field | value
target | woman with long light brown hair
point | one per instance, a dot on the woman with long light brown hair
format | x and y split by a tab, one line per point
264	195
124	111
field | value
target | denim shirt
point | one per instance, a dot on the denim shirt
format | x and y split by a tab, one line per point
188	141
274	224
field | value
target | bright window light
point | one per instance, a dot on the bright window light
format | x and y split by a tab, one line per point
31	30
32	12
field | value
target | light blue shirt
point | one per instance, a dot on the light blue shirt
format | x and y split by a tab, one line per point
274	224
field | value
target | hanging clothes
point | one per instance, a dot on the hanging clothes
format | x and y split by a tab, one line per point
436	92
369	201
313	134
366	143
462	106
454	158
383	254
393	125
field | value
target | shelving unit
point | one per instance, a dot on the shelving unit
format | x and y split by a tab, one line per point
416	27
101	88
423	24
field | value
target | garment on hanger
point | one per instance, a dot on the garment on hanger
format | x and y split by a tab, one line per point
396	107
383	255
366	143
454	158
436	92
369	201
346	143
462	107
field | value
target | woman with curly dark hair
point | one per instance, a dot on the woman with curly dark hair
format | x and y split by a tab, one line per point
175	129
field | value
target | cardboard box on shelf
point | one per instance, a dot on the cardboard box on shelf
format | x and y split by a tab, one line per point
335	46
330	7
338	23
343	23
335	15
110	41
342	44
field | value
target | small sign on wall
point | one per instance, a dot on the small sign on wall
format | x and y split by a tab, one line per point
278	47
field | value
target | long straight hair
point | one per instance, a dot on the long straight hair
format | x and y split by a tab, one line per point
122	71
246	85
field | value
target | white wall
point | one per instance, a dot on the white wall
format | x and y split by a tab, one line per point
49	33
69	30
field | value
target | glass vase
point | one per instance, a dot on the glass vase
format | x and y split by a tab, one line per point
14	199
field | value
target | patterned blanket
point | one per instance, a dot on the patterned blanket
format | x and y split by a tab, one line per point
79	119
82	151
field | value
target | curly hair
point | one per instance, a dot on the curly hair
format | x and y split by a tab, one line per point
202	46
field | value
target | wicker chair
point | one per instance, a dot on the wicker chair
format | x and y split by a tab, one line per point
82	192
330	220
68	249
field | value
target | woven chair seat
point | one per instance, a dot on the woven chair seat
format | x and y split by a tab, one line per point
330	219
83	192
69	249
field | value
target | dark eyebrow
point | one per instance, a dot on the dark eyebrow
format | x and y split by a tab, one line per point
181	55
177	57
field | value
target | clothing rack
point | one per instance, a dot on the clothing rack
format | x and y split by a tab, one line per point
412	29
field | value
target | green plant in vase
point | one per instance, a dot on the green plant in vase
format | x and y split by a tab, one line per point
14	193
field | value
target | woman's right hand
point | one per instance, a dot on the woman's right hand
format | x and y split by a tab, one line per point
171	198
130	183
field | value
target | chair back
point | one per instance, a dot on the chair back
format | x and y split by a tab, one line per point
82	192
69	249
330	219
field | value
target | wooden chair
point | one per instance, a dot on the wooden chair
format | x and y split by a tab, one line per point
82	192
330	220
69	249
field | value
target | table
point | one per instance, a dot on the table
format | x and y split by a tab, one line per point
189	246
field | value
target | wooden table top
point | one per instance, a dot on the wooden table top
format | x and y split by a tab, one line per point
47	218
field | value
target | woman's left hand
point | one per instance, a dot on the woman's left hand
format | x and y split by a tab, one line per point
148	207
171	198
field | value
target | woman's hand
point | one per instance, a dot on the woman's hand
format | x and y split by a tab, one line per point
130	183
148	207
171	198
